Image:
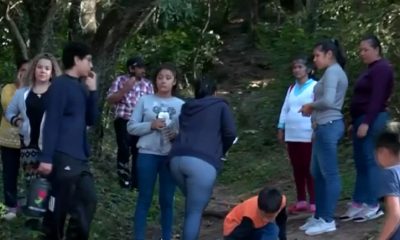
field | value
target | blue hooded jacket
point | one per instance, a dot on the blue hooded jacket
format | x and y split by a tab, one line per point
206	130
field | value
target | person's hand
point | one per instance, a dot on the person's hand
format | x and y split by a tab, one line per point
170	134
91	81
306	110
128	85
362	130
158	123
45	168
350	131
280	136
18	123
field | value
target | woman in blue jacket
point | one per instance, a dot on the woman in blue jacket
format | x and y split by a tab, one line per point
207	131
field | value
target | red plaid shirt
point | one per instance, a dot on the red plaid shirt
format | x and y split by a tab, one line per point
124	108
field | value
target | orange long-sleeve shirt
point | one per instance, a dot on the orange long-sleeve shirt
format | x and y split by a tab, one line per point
247	210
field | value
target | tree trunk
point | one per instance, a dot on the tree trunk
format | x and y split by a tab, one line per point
73	20
298	6
42	15
254	14
312	16
88	18
111	34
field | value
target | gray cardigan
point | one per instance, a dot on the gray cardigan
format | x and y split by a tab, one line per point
17	110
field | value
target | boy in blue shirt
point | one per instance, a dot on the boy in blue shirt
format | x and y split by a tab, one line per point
71	106
388	157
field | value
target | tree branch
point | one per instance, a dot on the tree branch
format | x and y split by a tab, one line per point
73	20
15	31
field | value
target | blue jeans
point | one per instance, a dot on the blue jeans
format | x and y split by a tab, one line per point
196	178
269	232
148	167
365	189
324	168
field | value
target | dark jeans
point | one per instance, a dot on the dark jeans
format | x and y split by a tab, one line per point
10	159
73	193
126	147
365	188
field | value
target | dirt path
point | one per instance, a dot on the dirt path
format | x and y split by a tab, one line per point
222	201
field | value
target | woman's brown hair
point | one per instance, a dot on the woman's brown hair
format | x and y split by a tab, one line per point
29	77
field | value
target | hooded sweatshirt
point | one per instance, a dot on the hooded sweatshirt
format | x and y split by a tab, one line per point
207	130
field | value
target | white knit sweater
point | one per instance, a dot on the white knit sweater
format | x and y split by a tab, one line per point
297	128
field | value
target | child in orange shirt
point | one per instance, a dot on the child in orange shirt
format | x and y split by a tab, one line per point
261	217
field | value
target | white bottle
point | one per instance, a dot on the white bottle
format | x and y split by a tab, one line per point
164	115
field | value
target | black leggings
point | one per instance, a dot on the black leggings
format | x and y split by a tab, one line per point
11	163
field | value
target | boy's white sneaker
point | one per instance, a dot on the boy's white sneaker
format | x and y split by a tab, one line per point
320	227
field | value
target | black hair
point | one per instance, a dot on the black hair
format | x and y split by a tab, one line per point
72	50
174	70
373	42
390	138
21	62
333	46
204	87
270	200
135	62
307	61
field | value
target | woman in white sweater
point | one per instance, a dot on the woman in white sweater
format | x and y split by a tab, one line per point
296	131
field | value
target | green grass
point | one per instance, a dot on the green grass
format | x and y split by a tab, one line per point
251	166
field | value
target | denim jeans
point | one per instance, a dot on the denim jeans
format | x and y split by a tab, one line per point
269	232
148	167
365	189
196	178
324	168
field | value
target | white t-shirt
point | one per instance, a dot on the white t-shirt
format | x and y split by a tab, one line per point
297	127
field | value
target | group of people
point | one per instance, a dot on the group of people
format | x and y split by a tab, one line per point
45	118
46	114
182	143
312	124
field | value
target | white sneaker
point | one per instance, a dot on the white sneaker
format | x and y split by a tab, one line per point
321	227
351	212
309	222
368	213
9	214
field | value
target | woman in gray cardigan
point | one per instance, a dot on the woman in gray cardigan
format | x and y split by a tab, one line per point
26	109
